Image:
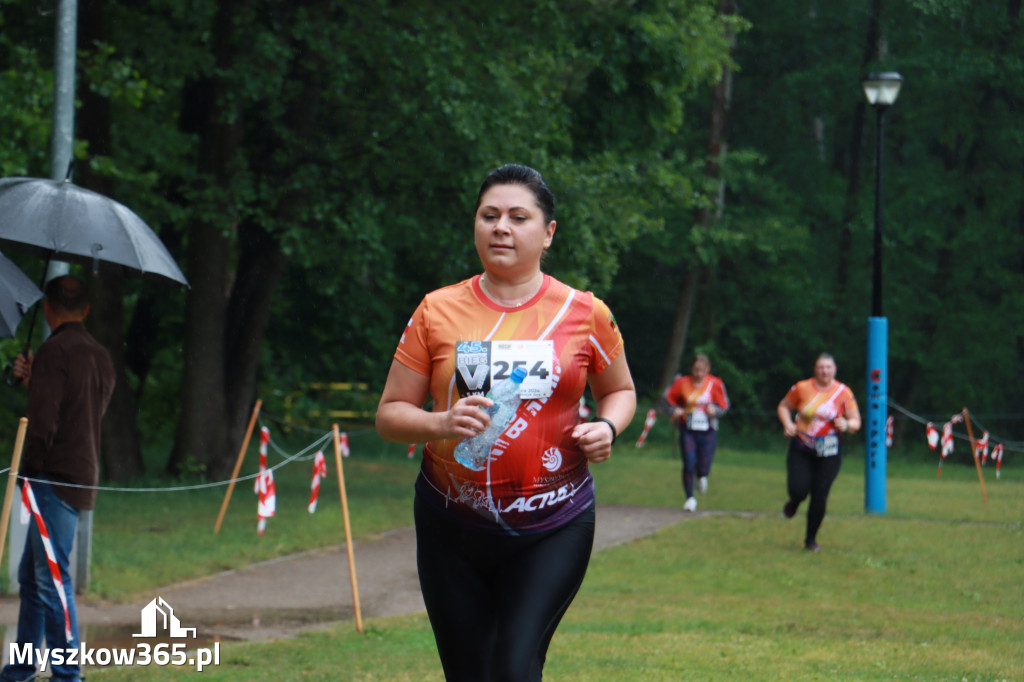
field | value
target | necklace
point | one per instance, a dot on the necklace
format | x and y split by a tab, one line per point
486	289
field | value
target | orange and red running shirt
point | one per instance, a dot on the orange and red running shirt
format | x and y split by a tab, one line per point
695	399
816	409
535	477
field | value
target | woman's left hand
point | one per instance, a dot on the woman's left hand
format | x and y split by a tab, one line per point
594	440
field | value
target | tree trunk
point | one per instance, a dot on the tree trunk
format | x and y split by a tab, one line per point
680	328
261	265
228	319
717	145
121	452
201	439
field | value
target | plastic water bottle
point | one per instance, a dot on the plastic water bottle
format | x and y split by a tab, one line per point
472	452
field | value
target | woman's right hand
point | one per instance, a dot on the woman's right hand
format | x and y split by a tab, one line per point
467	418
789	430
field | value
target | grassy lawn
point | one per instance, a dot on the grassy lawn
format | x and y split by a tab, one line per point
932	590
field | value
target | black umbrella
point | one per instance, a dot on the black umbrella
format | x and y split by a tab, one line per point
17	294
65	222
62	221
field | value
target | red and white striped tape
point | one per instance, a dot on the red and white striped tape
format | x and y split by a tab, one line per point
997	457
343	445
888	431
265	488
981	447
319	471
947	439
412	450
932	434
947	443
29	500
652	416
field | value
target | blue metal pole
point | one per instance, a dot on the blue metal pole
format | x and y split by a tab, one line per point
878	356
877	411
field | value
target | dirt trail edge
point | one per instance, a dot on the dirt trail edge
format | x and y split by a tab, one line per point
280	597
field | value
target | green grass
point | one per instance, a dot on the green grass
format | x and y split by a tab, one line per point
932	590
144	540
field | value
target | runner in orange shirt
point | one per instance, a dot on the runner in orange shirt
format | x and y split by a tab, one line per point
504	531
825	411
698	401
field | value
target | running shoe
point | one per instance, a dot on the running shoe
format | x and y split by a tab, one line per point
690	504
789	509
702	484
812	546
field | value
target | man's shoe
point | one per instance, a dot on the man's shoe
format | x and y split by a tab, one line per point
690	504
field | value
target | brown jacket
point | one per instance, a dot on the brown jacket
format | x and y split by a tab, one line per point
72	380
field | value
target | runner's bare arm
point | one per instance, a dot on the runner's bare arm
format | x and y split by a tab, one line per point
616	401
402	419
851	423
785	411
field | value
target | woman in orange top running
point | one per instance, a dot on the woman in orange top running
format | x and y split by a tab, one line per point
505	527
825	411
698	401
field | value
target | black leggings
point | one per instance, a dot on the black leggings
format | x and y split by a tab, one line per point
494	601
808	474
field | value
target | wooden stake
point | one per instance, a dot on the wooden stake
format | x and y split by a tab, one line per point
348	530
12	479
238	465
974	451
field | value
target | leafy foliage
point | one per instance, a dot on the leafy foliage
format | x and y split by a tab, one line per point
360	131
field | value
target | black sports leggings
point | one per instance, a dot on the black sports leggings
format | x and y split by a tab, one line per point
808	474
494	601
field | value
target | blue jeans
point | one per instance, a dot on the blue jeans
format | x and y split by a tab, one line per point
41	614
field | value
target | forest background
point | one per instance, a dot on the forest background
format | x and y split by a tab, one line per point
313	166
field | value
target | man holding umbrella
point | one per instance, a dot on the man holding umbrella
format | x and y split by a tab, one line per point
70	381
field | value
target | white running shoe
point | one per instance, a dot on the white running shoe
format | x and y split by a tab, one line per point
690	504
702	485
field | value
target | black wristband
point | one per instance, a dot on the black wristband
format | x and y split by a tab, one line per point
615	433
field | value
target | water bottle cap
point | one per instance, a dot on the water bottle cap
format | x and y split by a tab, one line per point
518	374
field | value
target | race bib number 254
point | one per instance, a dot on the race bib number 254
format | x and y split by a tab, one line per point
481	364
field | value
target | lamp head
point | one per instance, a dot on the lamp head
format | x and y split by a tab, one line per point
882	89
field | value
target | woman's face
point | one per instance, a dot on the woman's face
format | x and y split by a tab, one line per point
698	371
510	231
824	371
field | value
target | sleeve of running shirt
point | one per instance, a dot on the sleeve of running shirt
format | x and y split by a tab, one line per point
606	341
849	401
794	397
719	397
412	348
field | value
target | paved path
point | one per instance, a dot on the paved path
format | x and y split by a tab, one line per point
280	597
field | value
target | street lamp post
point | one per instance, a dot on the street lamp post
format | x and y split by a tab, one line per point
881	89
